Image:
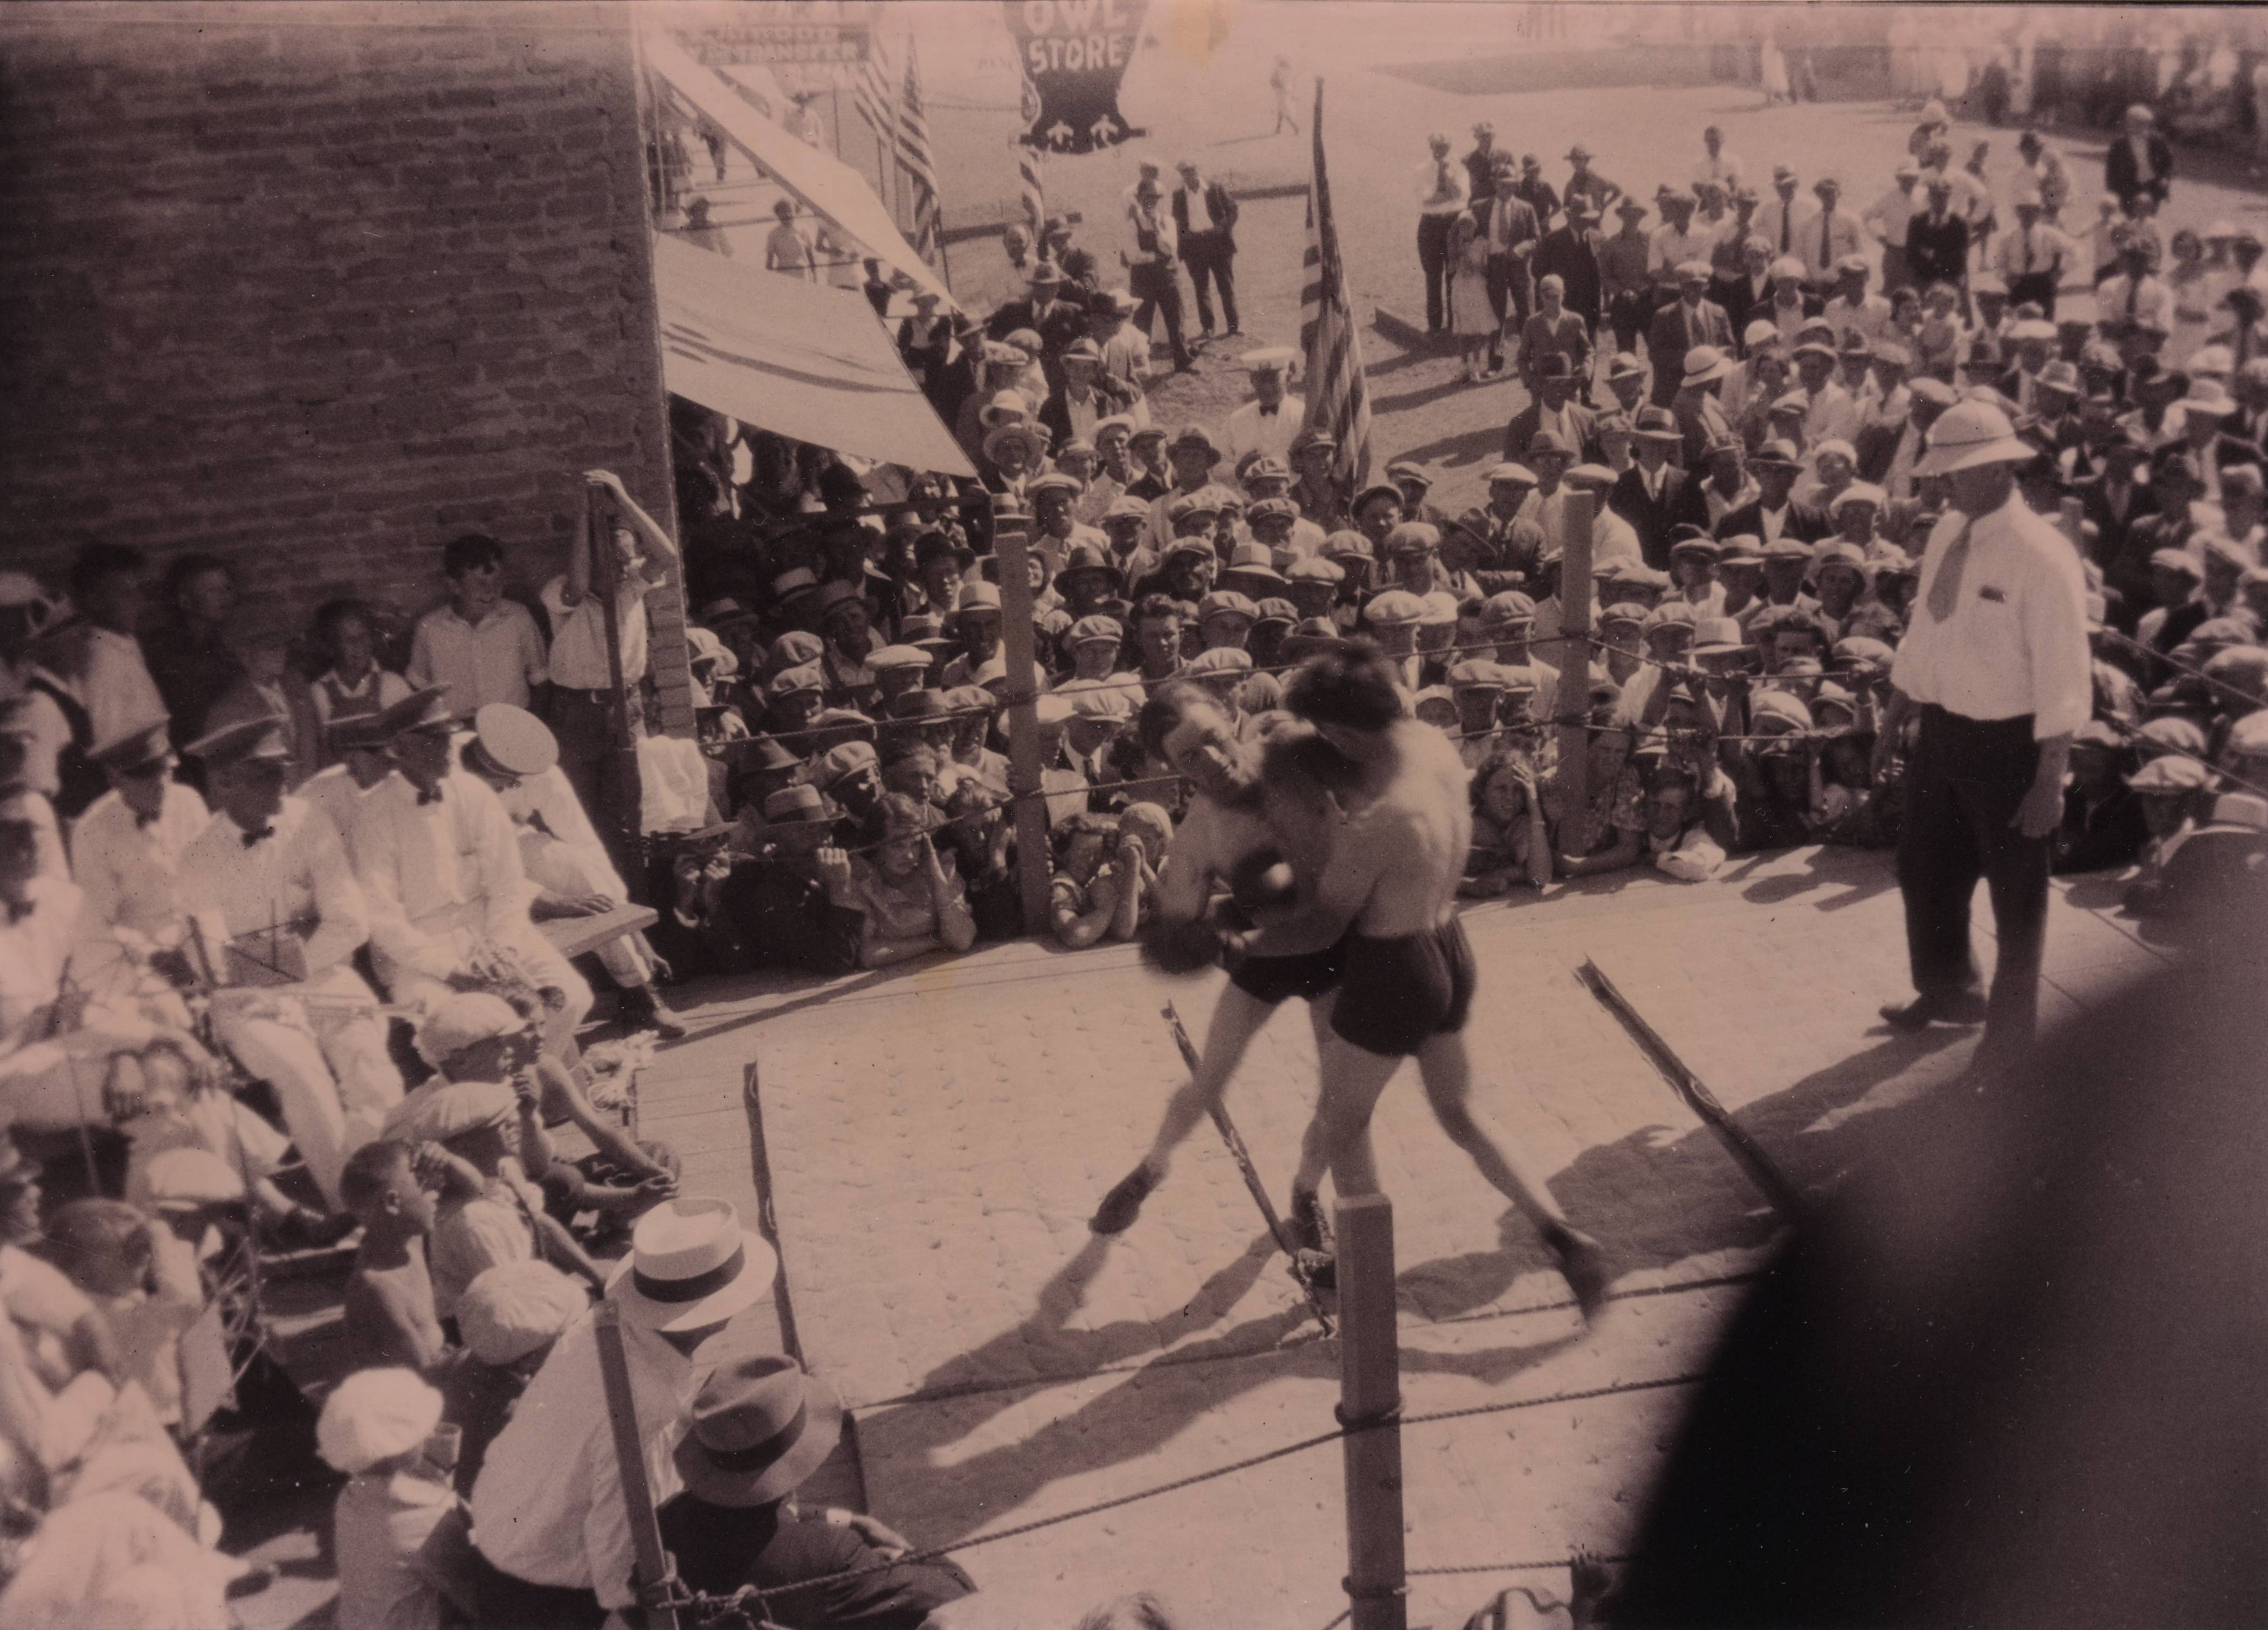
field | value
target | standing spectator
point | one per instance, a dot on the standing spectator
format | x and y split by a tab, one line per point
260	633
2045	175
788	248
1937	240
1204	215
479	647
1150	270
1594	189
1481	163
1689	321
1828	237
1279	81
1515	229
1780	221
1267	423
2140	163
1651	494
1717	164
1626	275
2035	257
186	656
91	666
1887	217
1571	253
1442	195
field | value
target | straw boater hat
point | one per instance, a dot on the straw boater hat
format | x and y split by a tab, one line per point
691	1264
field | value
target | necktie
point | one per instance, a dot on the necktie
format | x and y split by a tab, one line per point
1826	240
1266	412
1786	224
2028	250
1945	588
428	795
145	821
2133	294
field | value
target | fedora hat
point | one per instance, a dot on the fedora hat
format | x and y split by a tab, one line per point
1033	436
757	1428
1969	434
691	1264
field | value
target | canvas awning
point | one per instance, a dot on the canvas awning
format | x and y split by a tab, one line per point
793	358
818	181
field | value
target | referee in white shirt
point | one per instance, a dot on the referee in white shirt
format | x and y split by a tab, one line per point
1995	660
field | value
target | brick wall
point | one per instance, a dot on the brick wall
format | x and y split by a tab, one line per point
316	290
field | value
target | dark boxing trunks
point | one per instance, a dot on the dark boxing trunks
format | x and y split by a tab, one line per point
1398	992
1272	979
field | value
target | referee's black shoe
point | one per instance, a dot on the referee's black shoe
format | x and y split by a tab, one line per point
1963	1005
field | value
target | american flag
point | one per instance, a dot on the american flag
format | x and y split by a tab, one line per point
871	90
921	166
1030	191
1338	402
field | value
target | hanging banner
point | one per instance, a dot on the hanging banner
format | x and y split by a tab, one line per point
1074	54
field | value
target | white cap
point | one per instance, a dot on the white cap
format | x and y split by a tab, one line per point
373	1415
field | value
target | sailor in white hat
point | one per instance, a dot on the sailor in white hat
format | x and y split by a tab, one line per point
1995	661
1266	424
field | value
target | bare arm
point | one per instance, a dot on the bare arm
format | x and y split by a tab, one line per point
608	1137
664	554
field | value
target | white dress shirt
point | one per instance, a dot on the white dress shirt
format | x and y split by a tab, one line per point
1887	215
1441	187
2028	251
2016	642
547	1507
296	876
1799	215
578	635
1870	317
498	659
1832	413
432	869
1249	430
1825	239
130	875
340	796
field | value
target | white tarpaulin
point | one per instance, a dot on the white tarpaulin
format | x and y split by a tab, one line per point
819	181
793	358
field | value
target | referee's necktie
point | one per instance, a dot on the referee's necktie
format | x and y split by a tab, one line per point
1945	588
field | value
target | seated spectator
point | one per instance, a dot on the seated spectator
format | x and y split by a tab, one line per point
2168	788
911	896
142	1280
792	904
351	683
1677	838
756	1430
1098	885
378	1428
983	843
2212	868
1607	835
510	1316
389	1314
116	1561
2102	820
58	1360
1511	842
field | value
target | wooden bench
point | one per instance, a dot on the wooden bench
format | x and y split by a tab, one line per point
571	936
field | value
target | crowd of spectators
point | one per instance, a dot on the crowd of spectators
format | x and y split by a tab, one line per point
226	831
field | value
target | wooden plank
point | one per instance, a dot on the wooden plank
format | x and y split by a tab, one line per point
571	936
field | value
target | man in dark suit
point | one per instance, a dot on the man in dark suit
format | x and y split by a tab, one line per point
1554	408
1651	493
2140	161
1205	216
1571	253
1748	295
1774	515
2114	500
1689	320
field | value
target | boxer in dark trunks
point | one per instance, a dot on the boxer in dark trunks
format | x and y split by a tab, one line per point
1222	842
1387	820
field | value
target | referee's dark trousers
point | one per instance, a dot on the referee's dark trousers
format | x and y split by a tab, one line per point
1968	778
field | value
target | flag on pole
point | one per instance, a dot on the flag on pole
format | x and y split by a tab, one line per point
871	90
921	166
1030	192
1338	402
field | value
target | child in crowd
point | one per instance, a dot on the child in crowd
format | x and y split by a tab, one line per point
510	1315
378	1427
351	683
141	1280
912	896
1938	339
1676	840
1510	842
389	1311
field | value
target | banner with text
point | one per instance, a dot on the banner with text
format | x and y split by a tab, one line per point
1074	55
